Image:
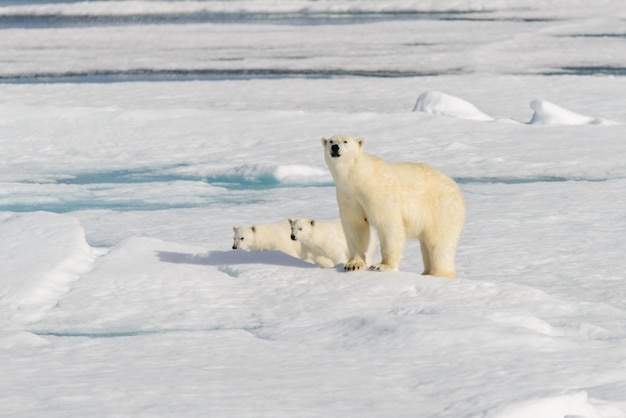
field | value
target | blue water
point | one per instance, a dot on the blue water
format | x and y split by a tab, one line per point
230	189
234	190
233	181
135	333
523	180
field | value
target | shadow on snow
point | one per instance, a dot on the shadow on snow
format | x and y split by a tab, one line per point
231	257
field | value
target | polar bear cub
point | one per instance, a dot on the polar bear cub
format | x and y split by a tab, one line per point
400	200
266	237
323	243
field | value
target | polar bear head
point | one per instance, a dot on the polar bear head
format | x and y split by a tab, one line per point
244	237
301	228
342	148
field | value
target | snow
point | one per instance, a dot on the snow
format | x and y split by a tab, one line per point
547	113
441	104
58	255
127	162
571	404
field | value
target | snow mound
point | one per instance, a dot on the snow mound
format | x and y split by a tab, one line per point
45	253
571	404
547	113
442	104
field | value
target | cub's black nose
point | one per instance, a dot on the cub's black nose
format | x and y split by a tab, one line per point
293	237
234	247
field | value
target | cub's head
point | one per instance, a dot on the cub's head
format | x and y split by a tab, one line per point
301	228
244	237
342	148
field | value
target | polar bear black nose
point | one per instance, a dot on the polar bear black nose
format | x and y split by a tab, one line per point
293	237
334	150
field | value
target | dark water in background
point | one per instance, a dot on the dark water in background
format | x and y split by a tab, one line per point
83	18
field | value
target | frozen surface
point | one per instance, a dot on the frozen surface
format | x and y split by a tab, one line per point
135	134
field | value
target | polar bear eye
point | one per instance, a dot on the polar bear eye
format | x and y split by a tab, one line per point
345	142
241	238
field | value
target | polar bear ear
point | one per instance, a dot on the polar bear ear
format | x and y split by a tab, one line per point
234	229
361	142
324	141
253	228
312	222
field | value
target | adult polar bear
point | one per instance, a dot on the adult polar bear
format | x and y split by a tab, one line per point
401	200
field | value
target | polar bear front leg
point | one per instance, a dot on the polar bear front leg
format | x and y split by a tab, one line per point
358	240
357	232
355	263
392	241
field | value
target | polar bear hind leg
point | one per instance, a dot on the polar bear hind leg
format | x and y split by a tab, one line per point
425	257
442	238
439	256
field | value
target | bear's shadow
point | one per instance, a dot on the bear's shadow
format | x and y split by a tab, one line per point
220	258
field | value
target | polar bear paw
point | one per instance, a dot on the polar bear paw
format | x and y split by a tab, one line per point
353	265
383	267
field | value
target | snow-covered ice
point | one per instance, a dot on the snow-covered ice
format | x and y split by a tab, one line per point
135	134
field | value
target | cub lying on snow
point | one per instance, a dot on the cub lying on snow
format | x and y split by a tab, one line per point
323	243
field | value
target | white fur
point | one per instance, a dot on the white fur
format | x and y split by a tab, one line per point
323	243
400	200
266	237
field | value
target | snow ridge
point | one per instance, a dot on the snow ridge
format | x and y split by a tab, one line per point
60	255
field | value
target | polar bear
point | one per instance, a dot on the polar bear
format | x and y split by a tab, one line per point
266	237
400	200
324	242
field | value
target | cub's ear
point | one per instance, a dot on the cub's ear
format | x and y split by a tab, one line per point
234	229
290	221
312	222
253	228
324	141
361	142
